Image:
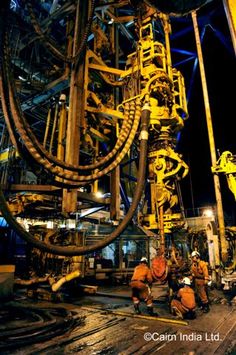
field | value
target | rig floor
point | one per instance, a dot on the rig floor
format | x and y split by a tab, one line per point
105	324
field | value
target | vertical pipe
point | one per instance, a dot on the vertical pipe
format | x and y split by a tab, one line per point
95	183
61	129
219	207
115	185
53	129
47	128
161	228
73	123
167	31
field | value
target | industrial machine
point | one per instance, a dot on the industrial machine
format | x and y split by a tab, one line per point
226	164
93	111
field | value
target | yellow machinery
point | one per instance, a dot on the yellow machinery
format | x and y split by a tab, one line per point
226	164
105	114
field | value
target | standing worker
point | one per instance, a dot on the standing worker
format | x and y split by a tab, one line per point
200	275
140	283
184	303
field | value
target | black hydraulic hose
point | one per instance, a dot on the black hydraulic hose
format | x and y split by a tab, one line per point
15	113
39	153
75	250
21	126
15	108
18	116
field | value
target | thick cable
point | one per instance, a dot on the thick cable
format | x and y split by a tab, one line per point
81	250
27	134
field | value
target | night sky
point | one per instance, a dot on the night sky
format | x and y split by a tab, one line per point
219	60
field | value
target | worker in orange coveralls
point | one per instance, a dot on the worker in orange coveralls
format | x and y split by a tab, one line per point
184	304
140	283
200	275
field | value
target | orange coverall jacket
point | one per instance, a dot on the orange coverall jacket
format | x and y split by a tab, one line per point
186	300
200	273
142	273
140	290
187	297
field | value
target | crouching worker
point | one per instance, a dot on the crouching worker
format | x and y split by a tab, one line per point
184	304
140	283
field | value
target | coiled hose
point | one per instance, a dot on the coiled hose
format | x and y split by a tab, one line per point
82	250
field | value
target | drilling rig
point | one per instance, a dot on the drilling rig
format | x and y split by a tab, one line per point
104	114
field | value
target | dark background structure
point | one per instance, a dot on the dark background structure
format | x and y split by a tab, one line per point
219	61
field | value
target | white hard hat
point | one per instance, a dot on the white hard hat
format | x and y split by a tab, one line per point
144	260
195	253
187	281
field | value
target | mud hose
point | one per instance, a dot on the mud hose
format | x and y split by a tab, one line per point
75	250
15	107
38	152
28	136
30	143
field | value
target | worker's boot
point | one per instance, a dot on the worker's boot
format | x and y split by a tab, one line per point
176	312
151	312
136	308
206	308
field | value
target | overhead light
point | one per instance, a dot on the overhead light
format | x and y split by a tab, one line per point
110	22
